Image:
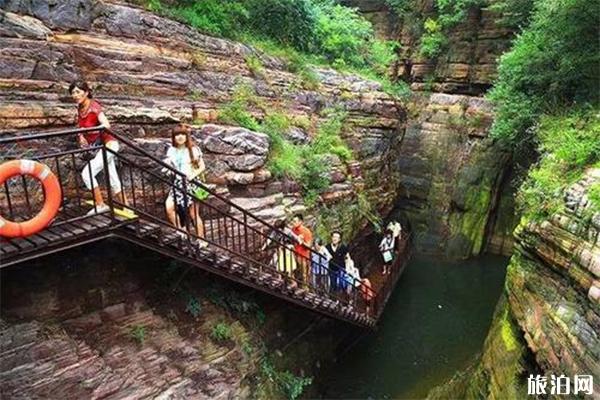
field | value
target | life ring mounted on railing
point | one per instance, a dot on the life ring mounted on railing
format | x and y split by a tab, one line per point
52	194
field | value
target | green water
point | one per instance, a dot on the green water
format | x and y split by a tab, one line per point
435	322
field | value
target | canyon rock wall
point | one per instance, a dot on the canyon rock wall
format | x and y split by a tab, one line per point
151	73
435	164
549	322
455	180
111	320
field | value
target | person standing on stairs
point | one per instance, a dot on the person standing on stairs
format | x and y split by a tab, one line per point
320	266
184	156
89	115
338	252
279	248
387	247
304	239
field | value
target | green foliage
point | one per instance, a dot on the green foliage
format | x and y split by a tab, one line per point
287	161
401	7
232	300
291	22
567	145
553	64
247	347
305	163
515	13
261	317
286	382
594	196
221	332
434	40
451	12
314	178
154	5
217	17
195	95
236	112
433	30
382	55
285	158
309	78
342	35
192	306
328	138
255	65
138	333
321	31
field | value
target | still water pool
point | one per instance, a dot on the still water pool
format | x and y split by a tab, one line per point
434	324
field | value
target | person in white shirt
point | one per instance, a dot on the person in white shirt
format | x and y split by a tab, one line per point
352	274
185	157
386	247
320	266
396	229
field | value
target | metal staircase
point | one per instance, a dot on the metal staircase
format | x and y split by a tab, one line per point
236	238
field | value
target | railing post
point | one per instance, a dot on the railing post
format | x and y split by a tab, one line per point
107	179
185	206
246	233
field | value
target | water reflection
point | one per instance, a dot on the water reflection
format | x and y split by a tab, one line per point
434	324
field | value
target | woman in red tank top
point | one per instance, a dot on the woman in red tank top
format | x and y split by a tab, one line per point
90	114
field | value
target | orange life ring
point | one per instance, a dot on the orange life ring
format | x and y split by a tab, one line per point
52	194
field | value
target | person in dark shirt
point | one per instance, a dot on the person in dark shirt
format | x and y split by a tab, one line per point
338	252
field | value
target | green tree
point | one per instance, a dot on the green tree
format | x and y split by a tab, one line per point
553	64
291	22
342	35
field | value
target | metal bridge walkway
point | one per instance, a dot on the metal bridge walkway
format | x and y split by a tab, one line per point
236	238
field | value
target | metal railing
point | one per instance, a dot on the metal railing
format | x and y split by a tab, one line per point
146	182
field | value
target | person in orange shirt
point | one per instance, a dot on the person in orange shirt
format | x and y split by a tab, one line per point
302	247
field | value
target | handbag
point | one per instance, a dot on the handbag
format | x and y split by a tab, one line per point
387	256
200	193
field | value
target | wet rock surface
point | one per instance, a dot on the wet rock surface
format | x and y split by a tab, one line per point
452	176
549	320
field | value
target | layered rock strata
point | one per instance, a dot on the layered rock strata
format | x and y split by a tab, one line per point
550	321
151	73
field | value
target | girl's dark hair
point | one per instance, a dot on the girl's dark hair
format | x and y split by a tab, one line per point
280	224
189	142
389	232
82	85
319	241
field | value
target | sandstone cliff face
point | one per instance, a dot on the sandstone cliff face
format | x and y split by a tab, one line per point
452	175
467	66
549	323
454	178
150	73
553	286
93	325
111	320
